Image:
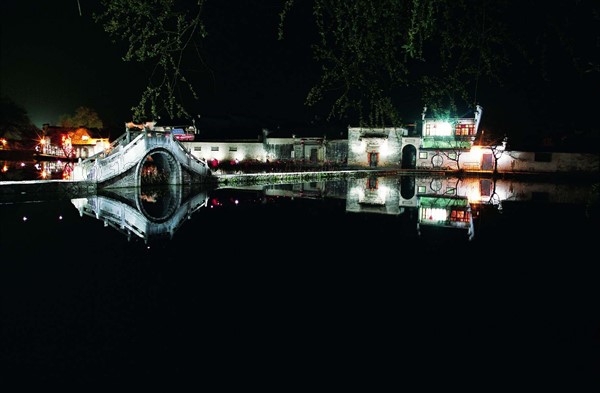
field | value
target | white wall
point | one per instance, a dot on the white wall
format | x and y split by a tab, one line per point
225	152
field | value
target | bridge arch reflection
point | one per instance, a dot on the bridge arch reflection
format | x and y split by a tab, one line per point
149	213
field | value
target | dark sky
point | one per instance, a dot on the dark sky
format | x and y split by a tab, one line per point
53	60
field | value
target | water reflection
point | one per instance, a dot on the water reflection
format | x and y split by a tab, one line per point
148	213
422	206
466	263
11	170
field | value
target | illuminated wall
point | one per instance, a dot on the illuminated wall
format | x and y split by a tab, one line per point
227	151
377	195
375	147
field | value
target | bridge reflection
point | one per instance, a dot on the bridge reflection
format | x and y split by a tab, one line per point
150	213
430	205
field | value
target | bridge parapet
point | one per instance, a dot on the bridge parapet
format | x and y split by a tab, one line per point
126	153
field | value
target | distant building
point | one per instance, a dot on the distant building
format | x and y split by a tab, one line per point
432	144
71	142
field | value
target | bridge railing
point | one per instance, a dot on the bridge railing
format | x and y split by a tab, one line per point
83	167
109	163
185	157
125	152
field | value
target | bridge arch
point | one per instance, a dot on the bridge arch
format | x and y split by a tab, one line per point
159	166
127	162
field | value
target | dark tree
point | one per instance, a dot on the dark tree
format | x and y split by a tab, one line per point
377	56
15	126
83	117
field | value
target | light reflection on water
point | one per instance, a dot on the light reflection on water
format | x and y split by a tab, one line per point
429	210
142	284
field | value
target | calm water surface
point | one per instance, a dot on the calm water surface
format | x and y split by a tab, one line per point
355	283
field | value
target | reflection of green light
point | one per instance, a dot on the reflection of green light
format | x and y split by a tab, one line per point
437	211
442	202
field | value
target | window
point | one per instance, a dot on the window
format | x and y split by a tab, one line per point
450	191
465	129
197	148
543	157
459	216
421	189
452	156
232	148
485	187
214	148
540	196
423	154
438	128
372	183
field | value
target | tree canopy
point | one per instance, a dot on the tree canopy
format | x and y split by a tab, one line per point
83	117
373	54
16	126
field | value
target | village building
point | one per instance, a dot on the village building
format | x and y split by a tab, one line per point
431	144
71	142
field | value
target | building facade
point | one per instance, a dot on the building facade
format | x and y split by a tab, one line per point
435	144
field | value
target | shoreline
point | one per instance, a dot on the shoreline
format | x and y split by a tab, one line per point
31	190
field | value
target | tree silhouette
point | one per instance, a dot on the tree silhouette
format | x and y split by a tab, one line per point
374	56
83	117
16	128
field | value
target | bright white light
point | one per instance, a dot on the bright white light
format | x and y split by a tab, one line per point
24	218
441	128
383	192
434	215
359	147
384	149
358	191
475	154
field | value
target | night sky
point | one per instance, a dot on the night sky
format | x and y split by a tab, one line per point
53	60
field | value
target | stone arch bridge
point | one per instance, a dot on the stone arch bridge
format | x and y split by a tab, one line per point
140	156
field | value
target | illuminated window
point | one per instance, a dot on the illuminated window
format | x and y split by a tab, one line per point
459	216
421	189
543	157
452	156
433	214
438	128
422	154
450	191
465	129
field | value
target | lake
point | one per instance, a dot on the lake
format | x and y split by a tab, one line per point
363	282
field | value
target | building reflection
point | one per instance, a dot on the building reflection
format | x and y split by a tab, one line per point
431	205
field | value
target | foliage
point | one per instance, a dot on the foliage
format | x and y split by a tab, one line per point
160	33
83	117
373	55
16	126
